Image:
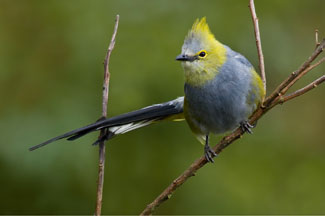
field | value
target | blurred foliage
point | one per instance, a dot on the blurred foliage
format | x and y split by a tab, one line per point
51	55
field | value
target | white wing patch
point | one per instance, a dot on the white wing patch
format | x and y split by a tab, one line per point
129	127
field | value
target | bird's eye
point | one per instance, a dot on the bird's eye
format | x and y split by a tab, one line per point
202	54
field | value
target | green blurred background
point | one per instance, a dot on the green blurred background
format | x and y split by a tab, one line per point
51	55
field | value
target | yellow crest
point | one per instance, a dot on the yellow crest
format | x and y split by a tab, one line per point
201	29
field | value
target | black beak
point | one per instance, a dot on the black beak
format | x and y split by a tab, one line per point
182	57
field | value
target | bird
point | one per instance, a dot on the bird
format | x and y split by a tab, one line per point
221	91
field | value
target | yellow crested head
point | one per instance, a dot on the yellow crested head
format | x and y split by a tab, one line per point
202	55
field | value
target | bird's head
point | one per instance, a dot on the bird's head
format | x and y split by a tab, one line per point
202	55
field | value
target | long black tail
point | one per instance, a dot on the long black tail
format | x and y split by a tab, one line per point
172	110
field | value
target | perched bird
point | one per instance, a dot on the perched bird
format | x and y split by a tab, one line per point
222	90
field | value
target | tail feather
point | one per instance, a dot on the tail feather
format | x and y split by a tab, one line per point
126	122
78	135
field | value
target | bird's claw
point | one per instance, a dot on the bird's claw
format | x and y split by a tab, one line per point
209	154
246	127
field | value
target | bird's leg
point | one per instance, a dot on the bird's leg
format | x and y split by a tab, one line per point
246	127
208	152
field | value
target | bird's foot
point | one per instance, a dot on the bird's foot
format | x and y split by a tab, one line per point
246	127
209	153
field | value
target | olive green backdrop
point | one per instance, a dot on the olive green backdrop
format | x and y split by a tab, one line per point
51	55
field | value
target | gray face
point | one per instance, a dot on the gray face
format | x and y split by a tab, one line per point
192	45
193	50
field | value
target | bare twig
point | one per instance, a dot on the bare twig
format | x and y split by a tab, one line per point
101	163
303	90
278	92
316	38
167	193
258	42
309	68
271	101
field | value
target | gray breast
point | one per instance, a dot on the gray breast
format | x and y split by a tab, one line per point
220	104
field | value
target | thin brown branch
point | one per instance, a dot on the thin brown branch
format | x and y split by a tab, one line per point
106	69
309	68
101	161
258	42
278	92
167	193
316	38
303	90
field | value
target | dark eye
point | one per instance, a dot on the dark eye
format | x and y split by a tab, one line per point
202	54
